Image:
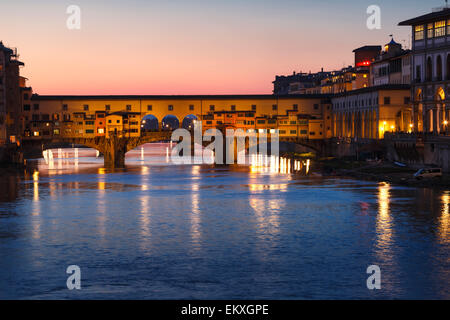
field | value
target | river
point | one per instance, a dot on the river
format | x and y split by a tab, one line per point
161	231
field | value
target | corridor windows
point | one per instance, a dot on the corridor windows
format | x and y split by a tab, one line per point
430	31
387	100
149	107
439	68
128	107
211	108
439	29
233	108
191	107
429	69
107	107
65	107
274	107
86	107
170	108
253	107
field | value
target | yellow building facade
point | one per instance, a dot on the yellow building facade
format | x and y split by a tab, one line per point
91	116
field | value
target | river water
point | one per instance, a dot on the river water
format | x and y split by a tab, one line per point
161	231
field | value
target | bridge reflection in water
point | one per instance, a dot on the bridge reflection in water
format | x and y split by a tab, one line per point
159	153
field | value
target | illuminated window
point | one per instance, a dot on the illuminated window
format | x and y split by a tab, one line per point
419	32
448	27
430	32
439	28
101	130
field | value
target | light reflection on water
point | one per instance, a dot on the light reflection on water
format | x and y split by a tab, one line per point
269	230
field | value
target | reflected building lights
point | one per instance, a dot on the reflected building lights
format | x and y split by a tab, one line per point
36	208
444	221
384	223
195	215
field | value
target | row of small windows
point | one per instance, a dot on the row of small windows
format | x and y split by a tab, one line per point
360	103
170	107
434	30
355	103
303	132
27	107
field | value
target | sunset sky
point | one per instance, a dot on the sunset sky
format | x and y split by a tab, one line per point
191	47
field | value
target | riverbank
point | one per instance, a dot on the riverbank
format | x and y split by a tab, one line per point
381	171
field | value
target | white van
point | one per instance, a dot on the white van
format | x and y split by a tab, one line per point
428	173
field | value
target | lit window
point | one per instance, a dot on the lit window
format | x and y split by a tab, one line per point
101	130
418	32
430	32
439	28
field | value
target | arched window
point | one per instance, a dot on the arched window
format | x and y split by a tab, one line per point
429	69
439	68
169	123
448	67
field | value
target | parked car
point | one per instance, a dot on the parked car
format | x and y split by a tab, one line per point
428	173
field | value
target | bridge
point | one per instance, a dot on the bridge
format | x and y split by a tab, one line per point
115	147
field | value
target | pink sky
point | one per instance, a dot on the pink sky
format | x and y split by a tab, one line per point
206	47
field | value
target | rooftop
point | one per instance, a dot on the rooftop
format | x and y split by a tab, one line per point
176	97
375	88
368	48
444	13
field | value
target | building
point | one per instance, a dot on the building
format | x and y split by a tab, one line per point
347	79
364	56
333	82
431	70
392	66
370	112
10	94
299	83
91	116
